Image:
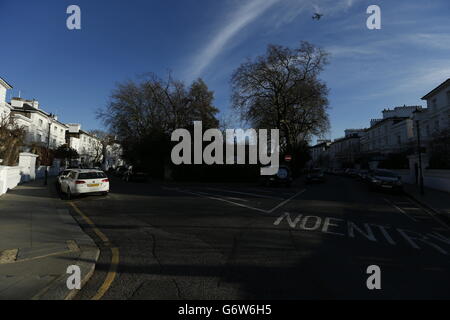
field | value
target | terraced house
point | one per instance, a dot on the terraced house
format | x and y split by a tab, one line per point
41	128
396	132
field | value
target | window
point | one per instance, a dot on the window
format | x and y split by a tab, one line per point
91	175
41	123
399	140
39	138
72	175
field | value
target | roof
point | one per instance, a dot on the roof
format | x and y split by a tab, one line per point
326	143
444	84
5	84
27	108
395	119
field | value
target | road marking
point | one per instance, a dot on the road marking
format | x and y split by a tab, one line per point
214	197
286	201
399	209
114	255
246	193
432	215
97	231
237	199
269	191
231	198
111	275
366	231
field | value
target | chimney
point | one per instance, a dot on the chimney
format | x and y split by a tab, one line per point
35	104
17	102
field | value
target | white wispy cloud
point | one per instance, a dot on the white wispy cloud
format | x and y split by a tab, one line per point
282	12
244	15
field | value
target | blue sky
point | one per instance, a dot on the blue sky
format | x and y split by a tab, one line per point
72	73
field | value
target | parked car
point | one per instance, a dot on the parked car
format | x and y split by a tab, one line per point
384	180
120	171
135	175
351	173
282	177
84	181
60	176
362	174
315	175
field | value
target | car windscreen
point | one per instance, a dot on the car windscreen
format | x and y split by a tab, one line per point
91	175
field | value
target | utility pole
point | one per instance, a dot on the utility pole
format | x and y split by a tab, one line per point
48	147
422	192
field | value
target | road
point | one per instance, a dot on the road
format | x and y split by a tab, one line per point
244	241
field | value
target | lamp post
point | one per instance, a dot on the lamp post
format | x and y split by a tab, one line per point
48	147
422	192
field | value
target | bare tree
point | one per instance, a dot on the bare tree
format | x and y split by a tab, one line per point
12	138
101	145
282	90
143	114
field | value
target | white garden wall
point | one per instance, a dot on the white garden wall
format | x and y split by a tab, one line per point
434	179
9	178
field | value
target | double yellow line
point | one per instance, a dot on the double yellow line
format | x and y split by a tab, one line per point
114	254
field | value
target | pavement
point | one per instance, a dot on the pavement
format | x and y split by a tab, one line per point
39	240
243	241
435	200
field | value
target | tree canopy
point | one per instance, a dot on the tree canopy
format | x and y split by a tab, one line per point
143	114
281	89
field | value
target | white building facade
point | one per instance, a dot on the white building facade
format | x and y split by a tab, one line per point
41	128
392	133
88	146
5	108
437	116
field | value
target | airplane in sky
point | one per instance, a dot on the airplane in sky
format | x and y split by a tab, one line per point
317	16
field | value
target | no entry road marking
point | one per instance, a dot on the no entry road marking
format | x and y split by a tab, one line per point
369	231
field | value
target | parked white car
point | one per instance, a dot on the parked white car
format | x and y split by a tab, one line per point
63	174
82	181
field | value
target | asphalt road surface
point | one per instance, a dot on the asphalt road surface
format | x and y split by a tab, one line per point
244	241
